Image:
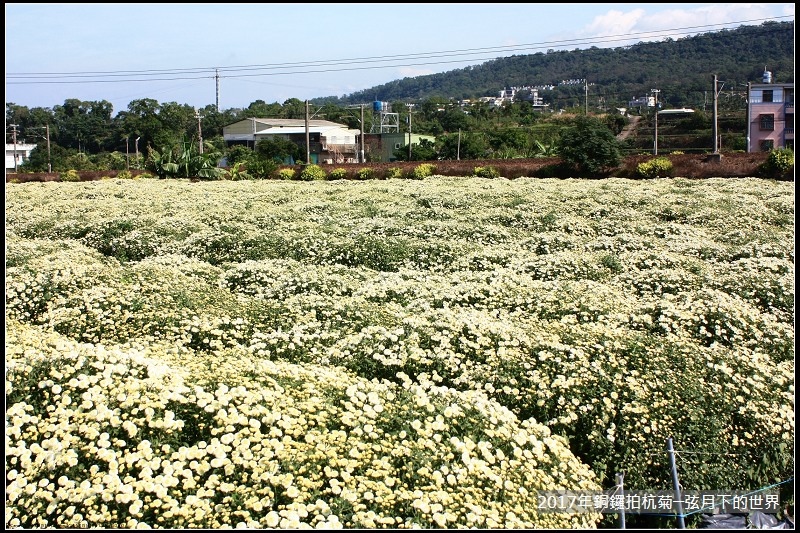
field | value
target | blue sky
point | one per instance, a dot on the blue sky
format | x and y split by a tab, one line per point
273	52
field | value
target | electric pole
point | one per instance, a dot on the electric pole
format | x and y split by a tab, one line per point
49	165
409	106
715	133
361	158
586	97
308	141
217	80
14	136
655	130
136	144
199	129
749	118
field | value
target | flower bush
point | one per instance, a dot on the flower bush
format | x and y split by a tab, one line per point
486	172
337	174
659	167
423	170
588	320
312	172
155	436
287	174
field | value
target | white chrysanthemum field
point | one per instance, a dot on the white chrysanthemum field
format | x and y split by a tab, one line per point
390	354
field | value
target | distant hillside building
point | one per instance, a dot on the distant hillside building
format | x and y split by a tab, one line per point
770	115
642	101
525	93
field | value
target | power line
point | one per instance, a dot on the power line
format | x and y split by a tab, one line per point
337	65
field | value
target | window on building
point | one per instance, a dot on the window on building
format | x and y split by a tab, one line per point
767	145
789	123
766	95
790	144
396	146
767	122
788	97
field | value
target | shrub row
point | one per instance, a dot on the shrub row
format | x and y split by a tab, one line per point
777	164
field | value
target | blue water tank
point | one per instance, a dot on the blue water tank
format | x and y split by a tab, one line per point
377	106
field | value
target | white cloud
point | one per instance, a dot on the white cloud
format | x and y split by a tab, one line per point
411	72
686	22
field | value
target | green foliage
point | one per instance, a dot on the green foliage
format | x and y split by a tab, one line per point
337	174
655	168
394	173
486	172
779	163
70	175
312	172
124	175
261	169
162	164
589	145
423	170
237	172
279	150
239	154
366	173
541	149
286	173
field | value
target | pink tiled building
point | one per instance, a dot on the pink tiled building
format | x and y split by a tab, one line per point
770	115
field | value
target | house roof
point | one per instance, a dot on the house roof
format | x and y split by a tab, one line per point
285	130
288	122
285	126
681	111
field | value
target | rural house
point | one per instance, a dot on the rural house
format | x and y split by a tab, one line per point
329	142
770	115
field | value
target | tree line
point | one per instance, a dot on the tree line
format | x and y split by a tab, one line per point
86	135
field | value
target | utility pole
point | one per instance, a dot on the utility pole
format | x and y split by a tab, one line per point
749	118
715	132
136	142
655	130
199	129
361	157
586	97
458	146
49	165
127	154
308	141
217	80
409	106
14	136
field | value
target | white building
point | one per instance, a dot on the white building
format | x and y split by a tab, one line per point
328	141
18	151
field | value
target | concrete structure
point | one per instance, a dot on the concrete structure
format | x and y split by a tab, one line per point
22	152
329	142
770	115
381	146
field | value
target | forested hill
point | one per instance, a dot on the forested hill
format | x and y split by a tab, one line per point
682	69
